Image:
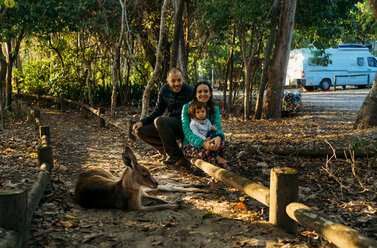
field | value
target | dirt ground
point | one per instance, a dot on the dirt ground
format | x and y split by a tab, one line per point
221	217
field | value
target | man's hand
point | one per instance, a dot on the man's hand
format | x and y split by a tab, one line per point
137	125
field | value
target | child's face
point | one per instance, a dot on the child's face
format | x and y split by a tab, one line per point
200	113
175	80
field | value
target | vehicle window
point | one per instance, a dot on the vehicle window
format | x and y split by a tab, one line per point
360	61
372	62
317	61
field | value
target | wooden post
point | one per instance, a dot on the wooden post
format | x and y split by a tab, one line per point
13	211
45	156
283	190
44	132
342	236
62	105
335	78
101	121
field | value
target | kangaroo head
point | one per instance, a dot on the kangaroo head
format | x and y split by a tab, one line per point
140	175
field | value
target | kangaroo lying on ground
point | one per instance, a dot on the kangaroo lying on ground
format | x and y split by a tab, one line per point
98	188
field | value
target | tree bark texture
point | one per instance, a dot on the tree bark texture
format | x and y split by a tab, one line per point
177	31
267	60
367	116
11	57
154	77
273	101
3	75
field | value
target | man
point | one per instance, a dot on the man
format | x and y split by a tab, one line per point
161	132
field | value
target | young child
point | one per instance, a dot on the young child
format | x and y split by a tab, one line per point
201	126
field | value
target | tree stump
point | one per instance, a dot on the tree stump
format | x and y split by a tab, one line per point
283	190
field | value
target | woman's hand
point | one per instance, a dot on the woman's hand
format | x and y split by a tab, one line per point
217	142
209	145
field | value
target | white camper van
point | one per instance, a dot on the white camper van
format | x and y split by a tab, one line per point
349	64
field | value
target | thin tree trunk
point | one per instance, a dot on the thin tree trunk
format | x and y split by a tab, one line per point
88	67
367	116
177	31
230	102
116	59
154	77
19	67
267	60
8	80
183	56
3	74
225	84
273	102
11	57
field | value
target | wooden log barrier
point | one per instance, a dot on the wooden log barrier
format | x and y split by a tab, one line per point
44	133
256	191
12	239
341	235
101	121
283	190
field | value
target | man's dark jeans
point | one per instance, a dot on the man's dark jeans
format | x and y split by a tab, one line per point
162	135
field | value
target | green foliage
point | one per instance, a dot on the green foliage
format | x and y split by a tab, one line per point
363	145
320	23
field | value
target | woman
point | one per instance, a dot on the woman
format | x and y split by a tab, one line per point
194	146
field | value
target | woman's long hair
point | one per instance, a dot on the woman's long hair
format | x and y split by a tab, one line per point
210	103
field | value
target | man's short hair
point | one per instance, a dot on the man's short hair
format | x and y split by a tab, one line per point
174	70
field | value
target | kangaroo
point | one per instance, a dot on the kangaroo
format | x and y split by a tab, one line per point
98	188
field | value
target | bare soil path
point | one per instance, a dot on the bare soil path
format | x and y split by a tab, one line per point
60	222
343	188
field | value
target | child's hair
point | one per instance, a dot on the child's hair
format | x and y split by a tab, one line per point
194	106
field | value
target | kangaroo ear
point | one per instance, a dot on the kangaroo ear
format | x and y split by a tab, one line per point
129	153
127	160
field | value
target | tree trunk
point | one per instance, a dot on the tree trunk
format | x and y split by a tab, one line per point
230	102
88	67
247	63
3	74
367	116
8	80
182	57
115	67
272	104
177	31
225	84
11	57
267	60
152	80
19	67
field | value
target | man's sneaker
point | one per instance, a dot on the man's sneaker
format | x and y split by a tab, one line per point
172	160
184	162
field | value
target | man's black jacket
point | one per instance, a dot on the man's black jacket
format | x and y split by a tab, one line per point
170	100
